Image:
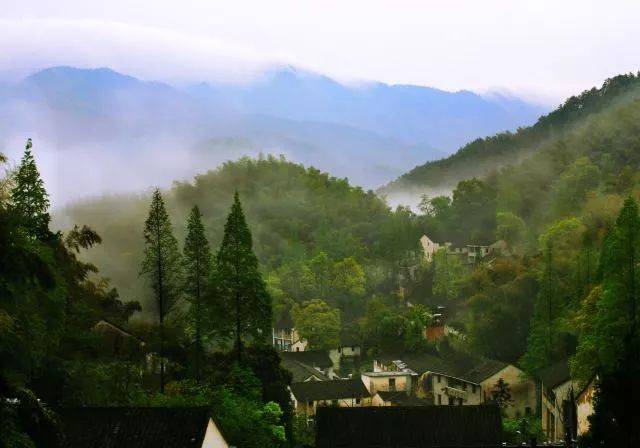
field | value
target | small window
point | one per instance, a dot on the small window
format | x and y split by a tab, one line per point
297	349
439	399
392	383
527	411
473	388
357	401
460	401
464	386
310	403
339	349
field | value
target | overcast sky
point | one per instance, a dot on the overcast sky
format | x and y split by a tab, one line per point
541	49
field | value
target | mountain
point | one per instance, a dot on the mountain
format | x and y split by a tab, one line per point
134	130
485	155
412	114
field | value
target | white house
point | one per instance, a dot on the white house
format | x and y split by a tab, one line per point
428	247
308	396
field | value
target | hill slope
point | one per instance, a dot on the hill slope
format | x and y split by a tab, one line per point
484	155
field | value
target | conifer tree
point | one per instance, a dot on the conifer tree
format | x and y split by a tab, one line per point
239	290
162	265
29	198
197	261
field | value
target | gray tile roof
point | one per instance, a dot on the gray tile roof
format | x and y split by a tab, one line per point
314	358
329	390
129	427
403	426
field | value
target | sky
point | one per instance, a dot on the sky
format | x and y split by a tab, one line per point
541	50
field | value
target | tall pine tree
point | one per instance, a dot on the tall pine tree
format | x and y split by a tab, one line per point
242	304
29	198
162	265
197	261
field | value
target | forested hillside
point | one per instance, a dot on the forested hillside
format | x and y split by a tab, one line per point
306	225
483	155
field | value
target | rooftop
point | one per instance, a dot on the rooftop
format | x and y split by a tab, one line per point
329	390
314	358
301	371
408	426
385	374
124	427
556	374
459	365
401	398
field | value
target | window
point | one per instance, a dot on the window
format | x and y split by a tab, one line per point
473	388
339	349
464	386
460	401
392	384
357	401
527	411
297	349
439	399
310	403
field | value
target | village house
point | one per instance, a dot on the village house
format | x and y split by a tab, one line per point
584	407
118	341
348	350
310	395
461	379
558	402
408	426
318	360
469	254
125	427
428	247
388	381
285	337
522	389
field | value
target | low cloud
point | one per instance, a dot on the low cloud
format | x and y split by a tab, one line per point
141	51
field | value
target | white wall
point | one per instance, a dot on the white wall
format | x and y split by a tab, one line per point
213	437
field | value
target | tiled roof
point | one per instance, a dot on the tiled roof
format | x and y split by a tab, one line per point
329	390
459	365
124	427
401	398
301	371
314	358
404	426
555	374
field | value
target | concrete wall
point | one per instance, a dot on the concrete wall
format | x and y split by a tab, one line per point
376	383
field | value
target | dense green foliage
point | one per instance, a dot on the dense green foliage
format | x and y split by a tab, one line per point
197	268
53	354
485	154
241	305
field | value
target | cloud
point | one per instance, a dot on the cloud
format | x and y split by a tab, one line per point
142	51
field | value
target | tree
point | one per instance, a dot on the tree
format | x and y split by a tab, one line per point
242	303
197	260
448	273
162	266
609	343
501	394
318	323
29	198
416	320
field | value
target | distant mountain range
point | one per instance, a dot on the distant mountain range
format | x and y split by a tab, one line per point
139	133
